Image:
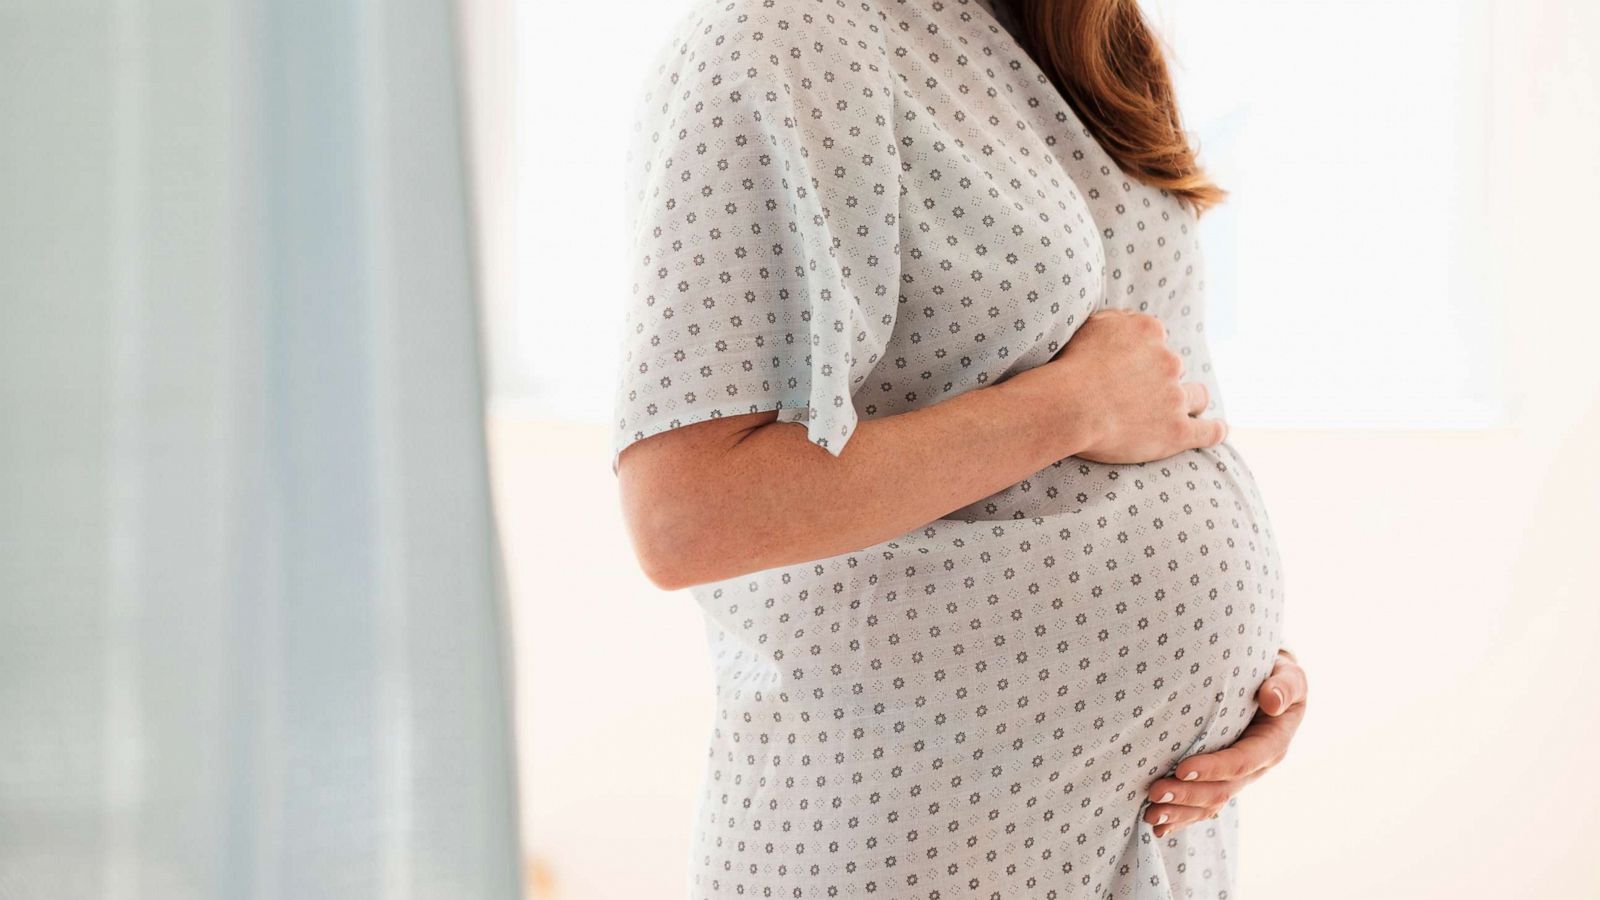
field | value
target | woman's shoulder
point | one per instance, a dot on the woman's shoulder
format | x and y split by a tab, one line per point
784	27
743	54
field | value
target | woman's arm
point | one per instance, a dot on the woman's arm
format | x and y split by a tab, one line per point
716	499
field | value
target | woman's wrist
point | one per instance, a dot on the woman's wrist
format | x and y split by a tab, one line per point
1064	427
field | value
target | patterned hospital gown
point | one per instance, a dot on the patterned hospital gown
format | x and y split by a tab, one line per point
849	209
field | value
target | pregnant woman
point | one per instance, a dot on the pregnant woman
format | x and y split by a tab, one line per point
917	400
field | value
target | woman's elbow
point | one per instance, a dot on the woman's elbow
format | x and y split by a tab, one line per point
664	535
674	559
685	531
662	565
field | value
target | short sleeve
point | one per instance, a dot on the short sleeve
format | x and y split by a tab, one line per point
764	190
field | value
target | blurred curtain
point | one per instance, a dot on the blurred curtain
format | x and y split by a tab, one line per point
250	622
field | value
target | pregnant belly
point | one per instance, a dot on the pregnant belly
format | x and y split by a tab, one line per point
1168	584
1091	626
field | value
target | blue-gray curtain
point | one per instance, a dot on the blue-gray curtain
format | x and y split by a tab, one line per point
251	639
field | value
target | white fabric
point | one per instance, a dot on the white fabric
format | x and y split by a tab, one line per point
851	210
249	624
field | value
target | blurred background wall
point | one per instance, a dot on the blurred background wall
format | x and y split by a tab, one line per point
1431	467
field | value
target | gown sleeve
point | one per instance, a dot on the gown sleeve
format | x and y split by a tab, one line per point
764	190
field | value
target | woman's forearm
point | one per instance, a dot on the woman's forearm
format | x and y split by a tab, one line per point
718	499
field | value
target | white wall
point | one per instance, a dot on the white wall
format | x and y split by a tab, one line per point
1443	586
1352	137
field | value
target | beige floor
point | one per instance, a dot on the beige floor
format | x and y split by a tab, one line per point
1442	596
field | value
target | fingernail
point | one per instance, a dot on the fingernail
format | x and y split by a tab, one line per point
1282	700
1162	820
1192	775
1165	798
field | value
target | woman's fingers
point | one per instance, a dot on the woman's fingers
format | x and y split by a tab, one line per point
1168	818
1176	816
1172	792
1266	739
1162	831
1171	818
1207	432
1285	687
1202	432
1205	782
1263	744
1191	802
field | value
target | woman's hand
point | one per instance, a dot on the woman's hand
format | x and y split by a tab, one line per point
1207	781
1120	384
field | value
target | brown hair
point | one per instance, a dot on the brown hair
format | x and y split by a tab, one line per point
1106	61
